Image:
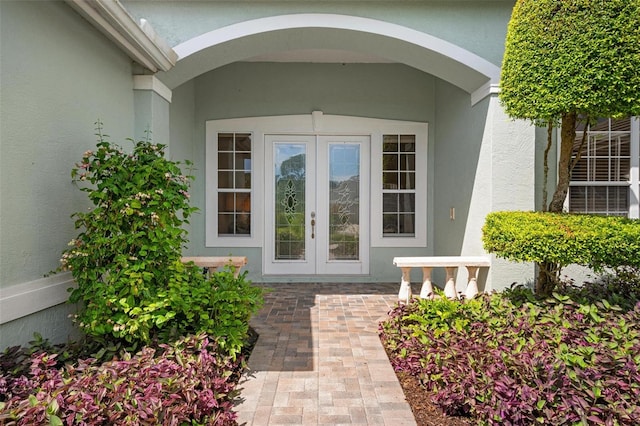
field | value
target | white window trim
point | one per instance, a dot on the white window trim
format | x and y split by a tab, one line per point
634	172
315	124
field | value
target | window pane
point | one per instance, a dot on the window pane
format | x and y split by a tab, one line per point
243	142
225	224
408	162
407	203
390	203
243	161
243	180
225	161
407	223
225	179
225	142
390	180
390	224
408	143
408	180
389	162
390	143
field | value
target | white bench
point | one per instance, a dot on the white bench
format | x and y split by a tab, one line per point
449	263
212	263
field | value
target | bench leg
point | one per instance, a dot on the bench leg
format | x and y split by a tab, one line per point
426	292
405	286
472	287
450	291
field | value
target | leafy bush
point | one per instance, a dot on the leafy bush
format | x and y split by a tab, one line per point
555	240
594	241
221	305
126	259
185	383
513	359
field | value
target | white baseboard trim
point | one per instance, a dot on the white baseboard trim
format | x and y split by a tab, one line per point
24	299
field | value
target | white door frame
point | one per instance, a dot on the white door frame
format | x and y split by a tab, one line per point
316	259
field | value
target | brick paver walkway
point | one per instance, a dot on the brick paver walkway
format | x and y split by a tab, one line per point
319	359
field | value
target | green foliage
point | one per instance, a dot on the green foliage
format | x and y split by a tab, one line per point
567	56
594	241
126	258
520	360
221	306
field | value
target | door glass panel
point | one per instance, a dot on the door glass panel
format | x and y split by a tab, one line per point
344	202
290	179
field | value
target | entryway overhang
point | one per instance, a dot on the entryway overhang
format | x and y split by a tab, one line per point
395	43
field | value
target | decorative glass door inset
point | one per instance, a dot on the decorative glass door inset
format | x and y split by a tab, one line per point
290	168
344	202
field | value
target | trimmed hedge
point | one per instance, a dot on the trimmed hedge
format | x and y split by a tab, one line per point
562	238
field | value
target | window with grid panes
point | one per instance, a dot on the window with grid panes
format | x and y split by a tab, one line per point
601	179
398	185
234	184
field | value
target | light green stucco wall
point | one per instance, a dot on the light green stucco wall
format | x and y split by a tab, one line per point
478	26
58	76
151	117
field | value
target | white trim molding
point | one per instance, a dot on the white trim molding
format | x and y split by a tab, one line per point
139	41
420	50
28	298
484	91
151	82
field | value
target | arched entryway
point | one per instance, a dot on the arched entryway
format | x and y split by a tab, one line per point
322	32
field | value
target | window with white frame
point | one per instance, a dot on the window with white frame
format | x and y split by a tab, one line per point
605	178
398	185
234	184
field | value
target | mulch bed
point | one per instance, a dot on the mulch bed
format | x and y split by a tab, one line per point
425	413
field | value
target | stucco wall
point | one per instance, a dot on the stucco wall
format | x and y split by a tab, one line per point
458	164
58	76
478	26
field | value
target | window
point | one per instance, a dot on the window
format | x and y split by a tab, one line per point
234	184
398	185
605	180
399	188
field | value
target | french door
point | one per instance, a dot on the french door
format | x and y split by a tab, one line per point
317	205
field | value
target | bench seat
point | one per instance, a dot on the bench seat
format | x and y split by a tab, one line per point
450	264
212	263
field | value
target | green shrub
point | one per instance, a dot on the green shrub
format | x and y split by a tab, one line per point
563	239
126	258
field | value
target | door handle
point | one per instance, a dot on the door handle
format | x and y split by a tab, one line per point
313	225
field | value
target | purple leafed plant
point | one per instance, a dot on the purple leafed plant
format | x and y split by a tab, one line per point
188	382
506	359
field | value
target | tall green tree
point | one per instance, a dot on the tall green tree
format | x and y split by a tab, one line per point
567	62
